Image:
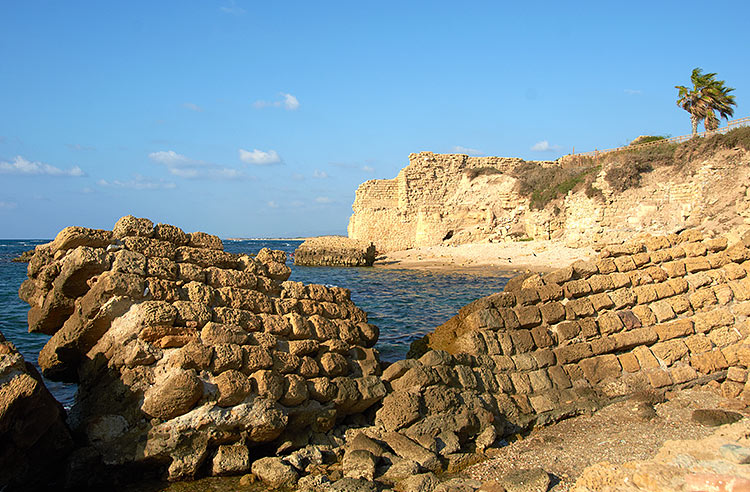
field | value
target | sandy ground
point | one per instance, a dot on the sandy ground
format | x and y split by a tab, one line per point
537	256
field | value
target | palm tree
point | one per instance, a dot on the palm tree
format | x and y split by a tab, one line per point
706	97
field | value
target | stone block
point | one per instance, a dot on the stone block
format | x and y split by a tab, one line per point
707	321
581	307
544	357
696	264
679	304
552	312
599	368
559	377
601	301
567	330
645	315
539	381
709	362
526	296
541	403
723	336
723	294
682	373
620	280
510	320
629	319
633	338
629	362
576	288
660	256
572	353
675	268
603	345
522	340
622	298
524	362
645	357
702	299
600	283
663	311
733	271
699	343
675	329
741	308
559	276
659	378
521	382
606	266
645	294
741	289
737	374
609	323
588	328
625	264
541	336
670	351
641	259
718	260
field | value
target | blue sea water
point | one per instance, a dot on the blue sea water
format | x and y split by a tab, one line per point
405	304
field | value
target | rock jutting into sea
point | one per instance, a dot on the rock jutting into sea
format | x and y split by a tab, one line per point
334	251
192	361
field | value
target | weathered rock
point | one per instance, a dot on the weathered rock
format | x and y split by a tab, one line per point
231	459
34	436
422	482
714	417
359	463
274	472
334	251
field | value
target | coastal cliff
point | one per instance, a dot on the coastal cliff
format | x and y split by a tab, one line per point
456	199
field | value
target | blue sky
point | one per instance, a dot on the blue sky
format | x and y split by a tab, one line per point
260	119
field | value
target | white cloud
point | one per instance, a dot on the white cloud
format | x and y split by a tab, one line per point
22	166
138	183
368	169
192	107
8	205
545	146
259	157
272	204
185	167
466	150
232	8
320	174
323	199
633	92
288	102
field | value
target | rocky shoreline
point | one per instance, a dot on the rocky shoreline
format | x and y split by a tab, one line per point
192	361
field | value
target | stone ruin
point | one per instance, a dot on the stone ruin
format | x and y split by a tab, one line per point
186	353
199	361
334	251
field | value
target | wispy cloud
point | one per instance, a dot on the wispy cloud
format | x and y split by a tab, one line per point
8	205
80	148
287	101
323	199
185	167
633	92
320	174
368	169
259	157
138	183
232	8
192	107
272	204
466	150
545	146
22	166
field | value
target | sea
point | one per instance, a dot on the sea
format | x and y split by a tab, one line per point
405	304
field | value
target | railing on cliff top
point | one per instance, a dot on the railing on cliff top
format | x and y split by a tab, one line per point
731	125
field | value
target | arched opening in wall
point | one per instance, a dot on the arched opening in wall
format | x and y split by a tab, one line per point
448	236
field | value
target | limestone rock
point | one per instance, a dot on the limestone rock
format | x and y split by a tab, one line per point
274	472
334	251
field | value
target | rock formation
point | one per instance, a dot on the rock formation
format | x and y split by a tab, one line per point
334	251
654	314
34	439
456	199
185	353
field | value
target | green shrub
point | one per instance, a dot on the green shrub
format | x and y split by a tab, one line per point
647	138
544	184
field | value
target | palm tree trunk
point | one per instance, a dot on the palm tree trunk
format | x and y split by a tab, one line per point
694	121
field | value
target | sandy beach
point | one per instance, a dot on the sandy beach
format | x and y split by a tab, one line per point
538	256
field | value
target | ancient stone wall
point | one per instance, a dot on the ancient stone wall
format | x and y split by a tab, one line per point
186	353
435	197
437	200
647	315
334	251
